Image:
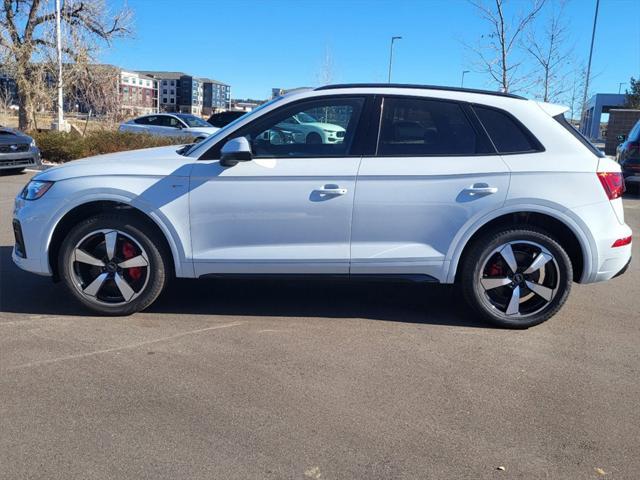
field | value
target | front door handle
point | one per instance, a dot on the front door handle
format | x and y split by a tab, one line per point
331	190
481	189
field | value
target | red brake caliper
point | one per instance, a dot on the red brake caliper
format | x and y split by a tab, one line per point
495	269
129	251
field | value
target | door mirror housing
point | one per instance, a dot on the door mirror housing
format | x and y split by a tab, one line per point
621	138
234	151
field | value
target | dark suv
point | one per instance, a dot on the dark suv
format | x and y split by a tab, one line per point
224	118
628	156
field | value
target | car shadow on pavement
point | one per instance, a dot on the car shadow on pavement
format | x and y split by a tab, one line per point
22	292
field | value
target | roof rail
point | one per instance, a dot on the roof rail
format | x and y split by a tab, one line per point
426	87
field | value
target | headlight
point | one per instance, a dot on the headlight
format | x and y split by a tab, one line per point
35	189
33	143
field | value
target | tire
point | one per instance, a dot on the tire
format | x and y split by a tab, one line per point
314	139
98	279
12	171
526	297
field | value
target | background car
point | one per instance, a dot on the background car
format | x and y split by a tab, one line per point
170	125
628	156
307	128
224	118
17	151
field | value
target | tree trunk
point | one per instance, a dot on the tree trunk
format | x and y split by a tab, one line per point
25	112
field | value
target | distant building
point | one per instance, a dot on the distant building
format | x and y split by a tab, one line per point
215	96
168	88
590	125
139	93
181	92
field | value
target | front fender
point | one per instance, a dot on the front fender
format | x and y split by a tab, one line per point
179	247
557	211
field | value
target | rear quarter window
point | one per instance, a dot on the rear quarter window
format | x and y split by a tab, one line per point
581	138
507	134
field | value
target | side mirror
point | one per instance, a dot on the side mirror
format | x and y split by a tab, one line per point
234	151
621	138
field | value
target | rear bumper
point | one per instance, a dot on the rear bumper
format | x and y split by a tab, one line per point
624	269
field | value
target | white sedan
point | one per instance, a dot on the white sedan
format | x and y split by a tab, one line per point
170	125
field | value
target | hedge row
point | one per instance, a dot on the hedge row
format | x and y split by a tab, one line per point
59	147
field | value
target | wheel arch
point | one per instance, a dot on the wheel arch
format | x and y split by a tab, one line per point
565	230
89	208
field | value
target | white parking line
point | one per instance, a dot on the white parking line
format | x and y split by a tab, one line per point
117	349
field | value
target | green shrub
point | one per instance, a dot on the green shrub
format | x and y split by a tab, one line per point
59	147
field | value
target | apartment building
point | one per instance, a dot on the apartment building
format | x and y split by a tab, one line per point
216	96
178	91
138	93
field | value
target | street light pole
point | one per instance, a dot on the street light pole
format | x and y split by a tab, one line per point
586	81
59	125
393	39
463	74
620	86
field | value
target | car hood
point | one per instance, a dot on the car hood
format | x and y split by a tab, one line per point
159	161
332	127
207	130
9	135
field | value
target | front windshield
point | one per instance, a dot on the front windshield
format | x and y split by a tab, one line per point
193	121
206	143
305	118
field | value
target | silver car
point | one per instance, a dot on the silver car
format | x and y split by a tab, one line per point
17	151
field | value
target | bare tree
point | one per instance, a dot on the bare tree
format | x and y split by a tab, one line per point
26	39
496	50
325	75
552	56
6	100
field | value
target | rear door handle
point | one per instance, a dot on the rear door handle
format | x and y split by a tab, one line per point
481	189
331	190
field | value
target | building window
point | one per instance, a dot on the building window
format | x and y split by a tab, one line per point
173	83
164	82
172	100
164	91
164	99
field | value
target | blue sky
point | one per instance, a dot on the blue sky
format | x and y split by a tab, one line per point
257	45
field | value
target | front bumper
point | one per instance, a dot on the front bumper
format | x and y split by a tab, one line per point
30	158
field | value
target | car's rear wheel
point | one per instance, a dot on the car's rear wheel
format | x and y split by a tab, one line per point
113	264
517	277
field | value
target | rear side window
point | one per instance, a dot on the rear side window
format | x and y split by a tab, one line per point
573	131
143	120
507	134
426	127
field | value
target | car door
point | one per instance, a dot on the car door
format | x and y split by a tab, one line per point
170	126
289	209
433	171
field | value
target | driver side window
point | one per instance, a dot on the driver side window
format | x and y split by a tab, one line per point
319	128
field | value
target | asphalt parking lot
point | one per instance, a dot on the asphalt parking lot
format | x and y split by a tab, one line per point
252	380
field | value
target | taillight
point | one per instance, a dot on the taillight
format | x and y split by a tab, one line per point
613	184
621	242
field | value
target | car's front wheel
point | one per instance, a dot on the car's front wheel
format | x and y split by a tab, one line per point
113	264
516	277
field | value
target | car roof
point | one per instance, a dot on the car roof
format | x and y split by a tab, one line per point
412	86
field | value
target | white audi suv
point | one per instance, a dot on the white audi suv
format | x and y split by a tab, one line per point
491	191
